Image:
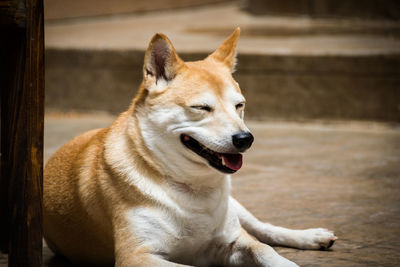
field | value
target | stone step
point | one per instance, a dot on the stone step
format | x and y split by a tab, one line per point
372	9
60	9
289	68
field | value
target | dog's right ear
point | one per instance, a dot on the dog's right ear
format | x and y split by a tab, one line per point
226	52
161	63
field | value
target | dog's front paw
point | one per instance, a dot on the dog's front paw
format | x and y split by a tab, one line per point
315	238
287	263
282	262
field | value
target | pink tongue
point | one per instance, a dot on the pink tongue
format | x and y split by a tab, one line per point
233	161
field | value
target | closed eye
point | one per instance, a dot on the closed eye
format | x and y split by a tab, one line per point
202	107
240	105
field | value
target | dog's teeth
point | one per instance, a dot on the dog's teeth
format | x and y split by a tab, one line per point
223	161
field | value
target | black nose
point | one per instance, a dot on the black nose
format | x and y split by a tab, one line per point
242	140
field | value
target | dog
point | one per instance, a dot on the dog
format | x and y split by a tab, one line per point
153	189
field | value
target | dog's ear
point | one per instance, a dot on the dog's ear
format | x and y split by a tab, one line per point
161	62
226	52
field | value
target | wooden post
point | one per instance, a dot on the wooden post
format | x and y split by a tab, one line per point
22	117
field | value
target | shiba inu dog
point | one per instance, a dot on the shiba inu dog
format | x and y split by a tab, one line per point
153	189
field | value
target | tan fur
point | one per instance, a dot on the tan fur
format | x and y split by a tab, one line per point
83	194
101	183
78	179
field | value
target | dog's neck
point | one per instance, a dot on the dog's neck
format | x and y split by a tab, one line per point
214	193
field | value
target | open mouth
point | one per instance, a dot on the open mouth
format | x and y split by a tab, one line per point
224	162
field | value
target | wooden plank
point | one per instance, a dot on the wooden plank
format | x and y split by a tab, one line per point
22	113
12	13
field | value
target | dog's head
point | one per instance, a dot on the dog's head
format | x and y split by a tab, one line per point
192	112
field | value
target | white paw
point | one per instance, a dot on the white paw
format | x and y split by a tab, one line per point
273	259
283	262
315	238
287	263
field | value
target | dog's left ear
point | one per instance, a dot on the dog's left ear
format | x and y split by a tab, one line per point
161	62
226	52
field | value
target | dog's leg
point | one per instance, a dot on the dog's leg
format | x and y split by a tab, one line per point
130	253
142	257
315	238
247	251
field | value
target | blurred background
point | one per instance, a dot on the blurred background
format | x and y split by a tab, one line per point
298	59
322	82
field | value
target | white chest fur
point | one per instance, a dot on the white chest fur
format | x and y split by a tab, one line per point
186	231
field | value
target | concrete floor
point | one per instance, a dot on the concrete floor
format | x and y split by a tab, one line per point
341	176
